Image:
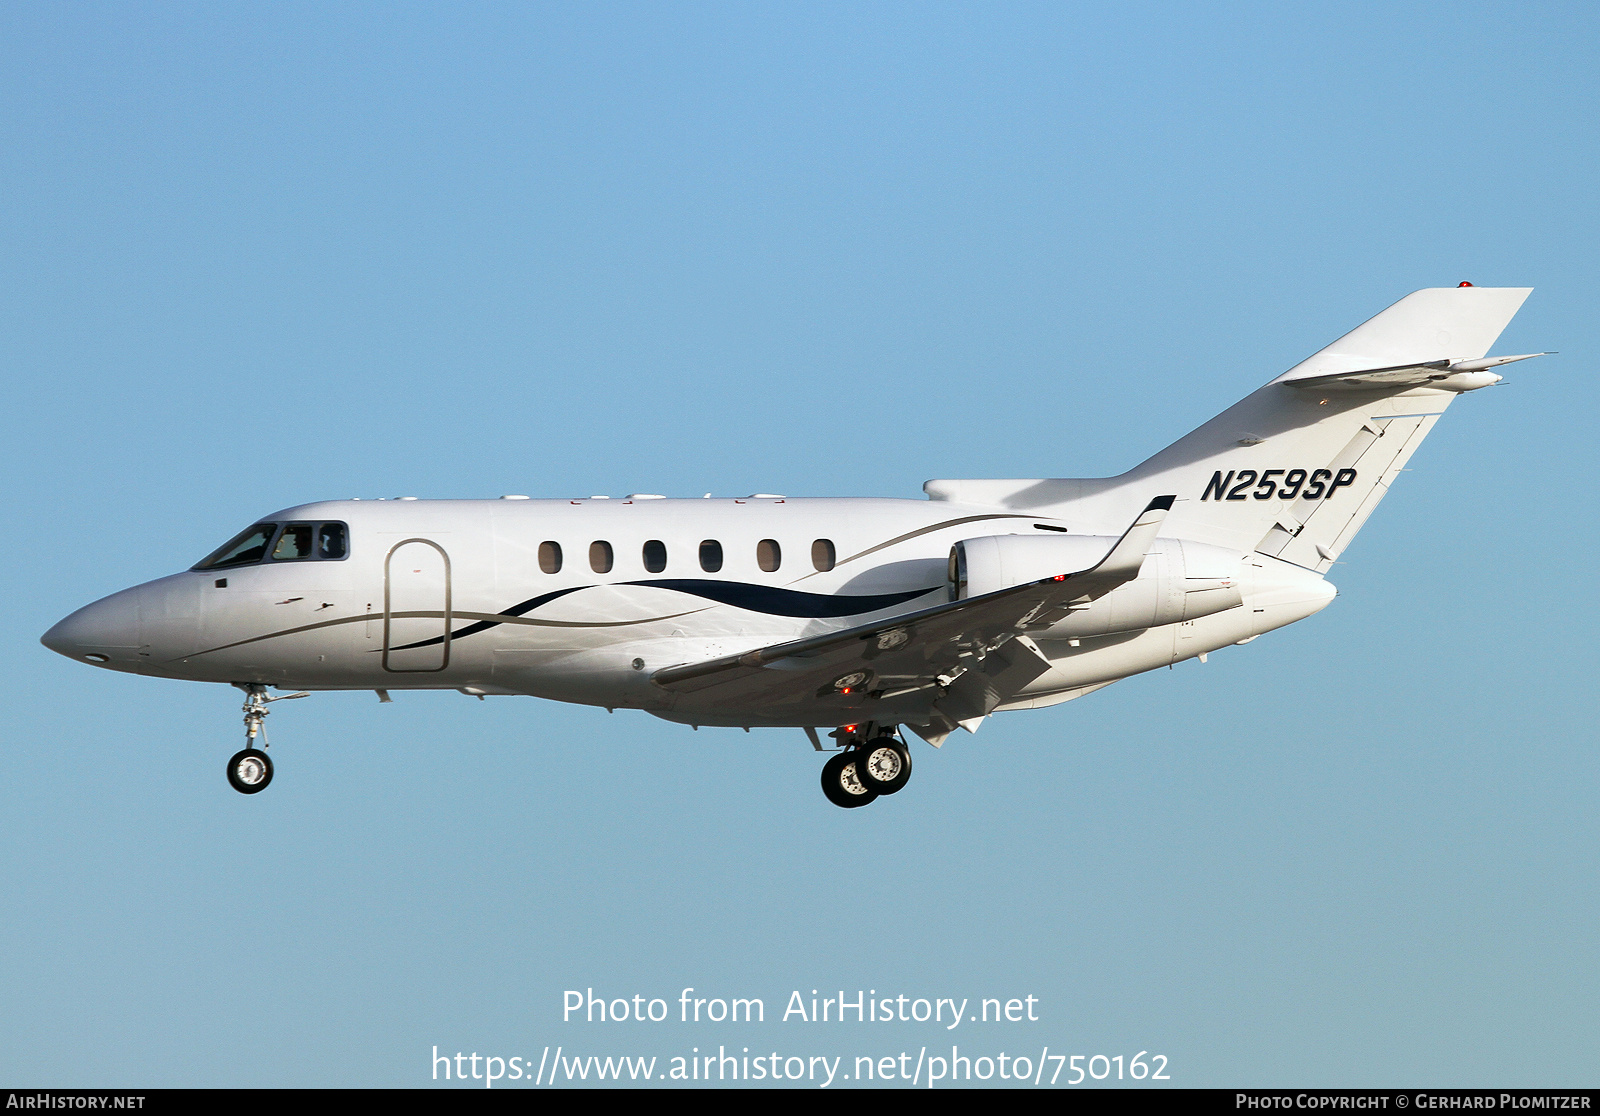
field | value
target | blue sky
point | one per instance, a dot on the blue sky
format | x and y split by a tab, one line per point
257	255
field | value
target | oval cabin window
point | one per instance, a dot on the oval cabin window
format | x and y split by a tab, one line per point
600	556
550	557
655	556
711	556
769	556
823	555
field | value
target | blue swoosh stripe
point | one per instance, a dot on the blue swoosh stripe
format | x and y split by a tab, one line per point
785	602
765	599
484	625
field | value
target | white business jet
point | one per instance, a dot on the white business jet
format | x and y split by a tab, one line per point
849	617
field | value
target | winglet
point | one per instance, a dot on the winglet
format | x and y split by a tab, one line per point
1124	559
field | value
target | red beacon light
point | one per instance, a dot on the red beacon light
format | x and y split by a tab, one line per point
1463	283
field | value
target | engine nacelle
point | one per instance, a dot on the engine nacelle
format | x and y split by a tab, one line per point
1180	580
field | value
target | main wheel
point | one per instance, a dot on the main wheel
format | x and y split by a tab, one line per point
841	783
884	764
249	771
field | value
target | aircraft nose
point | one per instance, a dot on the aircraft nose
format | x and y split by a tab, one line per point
105	633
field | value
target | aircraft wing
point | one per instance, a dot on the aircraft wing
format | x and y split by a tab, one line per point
933	647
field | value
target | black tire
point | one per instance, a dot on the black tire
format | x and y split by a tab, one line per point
841	785
884	764
249	771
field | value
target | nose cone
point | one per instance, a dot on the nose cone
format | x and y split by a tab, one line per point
105	633
138	629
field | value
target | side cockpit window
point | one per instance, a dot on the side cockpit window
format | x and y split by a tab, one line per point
294	541
332	543
326	542
282	542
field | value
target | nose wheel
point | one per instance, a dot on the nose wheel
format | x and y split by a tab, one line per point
250	770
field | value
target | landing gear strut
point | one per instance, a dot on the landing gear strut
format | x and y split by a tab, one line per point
250	770
874	762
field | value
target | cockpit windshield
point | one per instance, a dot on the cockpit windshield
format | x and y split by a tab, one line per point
285	542
246	549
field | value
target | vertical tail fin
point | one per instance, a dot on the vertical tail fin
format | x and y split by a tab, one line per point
1295	468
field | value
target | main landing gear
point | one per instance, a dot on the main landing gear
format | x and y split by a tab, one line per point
250	769
874	762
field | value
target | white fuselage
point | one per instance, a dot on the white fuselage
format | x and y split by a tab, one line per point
455	594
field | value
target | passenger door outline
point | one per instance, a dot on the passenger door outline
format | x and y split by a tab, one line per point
388	609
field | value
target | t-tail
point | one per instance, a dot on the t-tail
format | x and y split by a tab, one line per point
1295	468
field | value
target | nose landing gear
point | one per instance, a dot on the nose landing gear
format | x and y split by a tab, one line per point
250	770
873	763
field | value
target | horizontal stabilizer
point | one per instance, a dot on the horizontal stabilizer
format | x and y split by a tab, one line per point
1444	373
